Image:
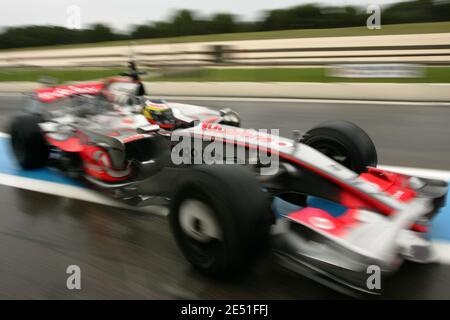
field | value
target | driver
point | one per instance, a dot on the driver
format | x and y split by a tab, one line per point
158	112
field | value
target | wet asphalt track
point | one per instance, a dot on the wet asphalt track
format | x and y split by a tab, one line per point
126	254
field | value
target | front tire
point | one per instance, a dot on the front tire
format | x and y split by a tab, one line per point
345	143
28	142
220	218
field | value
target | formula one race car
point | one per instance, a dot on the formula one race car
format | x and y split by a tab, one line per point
127	93
332	213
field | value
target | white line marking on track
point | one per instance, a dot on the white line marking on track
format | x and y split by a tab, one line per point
11	94
72	192
442	250
419	172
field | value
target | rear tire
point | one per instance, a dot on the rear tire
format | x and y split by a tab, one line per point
220	218
28	142
345	143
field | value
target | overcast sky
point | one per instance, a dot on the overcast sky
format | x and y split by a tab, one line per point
123	13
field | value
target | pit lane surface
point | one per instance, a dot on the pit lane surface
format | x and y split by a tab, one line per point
129	254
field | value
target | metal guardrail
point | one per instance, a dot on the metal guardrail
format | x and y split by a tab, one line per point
229	56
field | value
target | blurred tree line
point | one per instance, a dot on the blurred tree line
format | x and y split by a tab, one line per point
185	22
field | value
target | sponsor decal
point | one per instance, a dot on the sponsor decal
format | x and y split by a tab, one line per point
246	134
209	143
322	223
52	94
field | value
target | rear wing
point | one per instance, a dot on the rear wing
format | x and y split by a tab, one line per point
52	94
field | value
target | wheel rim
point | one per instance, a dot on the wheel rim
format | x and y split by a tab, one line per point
201	230
198	222
334	151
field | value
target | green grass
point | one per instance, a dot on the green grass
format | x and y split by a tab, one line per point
62	75
433	75
407	28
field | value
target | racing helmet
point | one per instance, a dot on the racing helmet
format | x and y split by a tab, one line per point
158	112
